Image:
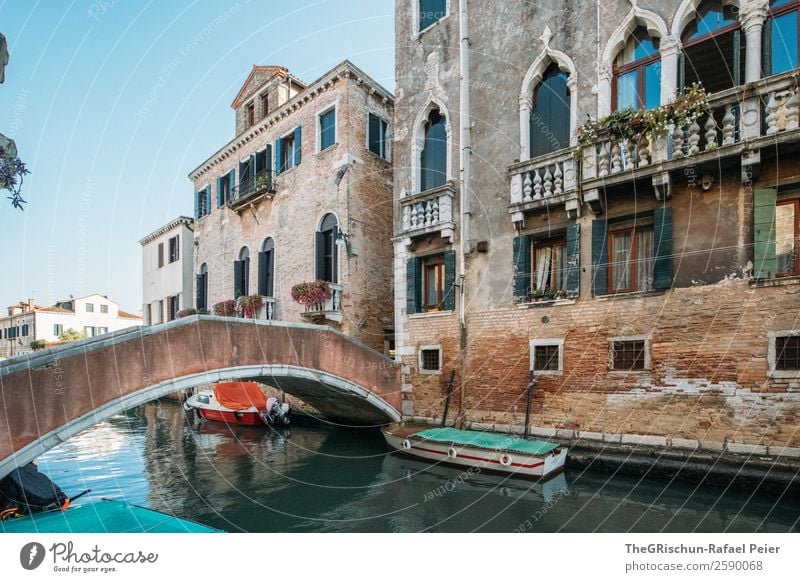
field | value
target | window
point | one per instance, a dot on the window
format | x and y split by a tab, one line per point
89	331
433	158
389	343
174	249
629	355
787	353
780	36
173	306
631	260
327	129
378	139
787	238
287	151
547	356
90	308
58	329
160	310
637	73
431	12
103	308
432	283
550	113
102	330
202	202
266	269
202	288
160	253
264	105
430	359
713	48
24	330
251	114
241	274
327	250
549	266
148	314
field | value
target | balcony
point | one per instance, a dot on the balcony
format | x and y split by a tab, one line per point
428	212
252	190
329	310
544	182
740	121
267	308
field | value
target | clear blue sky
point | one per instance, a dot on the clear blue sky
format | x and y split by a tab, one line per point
113	102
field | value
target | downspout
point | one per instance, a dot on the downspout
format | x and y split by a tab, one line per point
465	121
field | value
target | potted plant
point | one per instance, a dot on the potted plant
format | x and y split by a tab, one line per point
225	308
311	293
537	295
186	312
249	305
39	344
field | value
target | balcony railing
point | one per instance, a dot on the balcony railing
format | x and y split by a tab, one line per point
249	189
267	308
428	211
330	309
544	181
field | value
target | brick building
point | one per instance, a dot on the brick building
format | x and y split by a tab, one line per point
303	192
649	278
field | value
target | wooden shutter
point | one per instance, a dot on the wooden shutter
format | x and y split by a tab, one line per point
259	163
737	57
297	145
220	181
334	255
231	185
270	273
449	302
268	159
263	257
765	263
662	239
160	254
599	257
521	251
237	279
246	276
198	292
319	252
278	156
681	71
766	49
413	286
573	274
196	206
374	139
208	200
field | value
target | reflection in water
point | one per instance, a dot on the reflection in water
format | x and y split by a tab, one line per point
313	479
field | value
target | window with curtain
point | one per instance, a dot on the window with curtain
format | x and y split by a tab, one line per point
637	73
713	48
631	259
787	238
780	36
549	265
550	113
433	283
433	158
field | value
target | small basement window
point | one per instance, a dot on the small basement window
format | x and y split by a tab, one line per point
787	352
430	359
629	355
547	356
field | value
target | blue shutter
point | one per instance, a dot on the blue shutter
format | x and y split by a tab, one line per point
320	254
297	145
599	257
238	291
662	231
208	199
268	159
232	186
278	156
573	274
412	286
197	205
219	191
521	252
449	302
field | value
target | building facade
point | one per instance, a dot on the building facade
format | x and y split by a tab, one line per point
167	271
644	267
303	193
91	315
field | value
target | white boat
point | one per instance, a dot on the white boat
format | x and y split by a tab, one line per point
497	453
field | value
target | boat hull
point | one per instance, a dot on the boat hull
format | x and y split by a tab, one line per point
495	461
232	417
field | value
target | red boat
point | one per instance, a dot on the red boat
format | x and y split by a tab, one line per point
240	403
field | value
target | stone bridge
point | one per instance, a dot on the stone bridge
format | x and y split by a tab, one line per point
49	396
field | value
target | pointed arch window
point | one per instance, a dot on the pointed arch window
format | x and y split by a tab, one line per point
550	113
241	274
266	269
637	73
433	158
713	48
327	250
781	37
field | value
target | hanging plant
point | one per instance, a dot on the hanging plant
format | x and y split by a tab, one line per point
311	292
12	171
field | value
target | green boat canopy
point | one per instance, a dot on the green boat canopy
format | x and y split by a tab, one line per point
106	516
486	440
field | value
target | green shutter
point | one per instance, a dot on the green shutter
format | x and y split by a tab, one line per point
573	275
238	272
208	199
766	49
197	205
449	302
764	260
412	286
681	72
297	145
737	58
278	156
522	268
232	187
599	257
220	201
268	159
662	231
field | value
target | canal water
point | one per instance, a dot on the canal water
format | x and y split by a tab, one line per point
319	480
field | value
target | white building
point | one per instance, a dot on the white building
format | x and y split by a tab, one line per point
167	281
91	315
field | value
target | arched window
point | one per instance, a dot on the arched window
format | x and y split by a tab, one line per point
433	158
241	274
713	48
637	73
780	36
327	250
550	113
266	269
201	288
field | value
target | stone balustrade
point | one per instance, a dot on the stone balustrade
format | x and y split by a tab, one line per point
428	211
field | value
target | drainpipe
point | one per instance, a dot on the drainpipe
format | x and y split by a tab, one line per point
465	121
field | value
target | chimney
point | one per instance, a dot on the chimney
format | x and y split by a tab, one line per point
31	304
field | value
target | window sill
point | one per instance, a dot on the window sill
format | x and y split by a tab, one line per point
429	372
630	295
629	372
430	314
776	282
418	34
548	303
784	374
330	148
537	373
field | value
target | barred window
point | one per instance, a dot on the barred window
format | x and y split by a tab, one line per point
430	360
628	355
787	352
